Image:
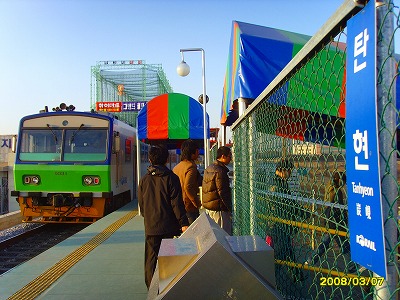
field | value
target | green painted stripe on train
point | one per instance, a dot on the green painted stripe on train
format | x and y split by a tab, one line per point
62	178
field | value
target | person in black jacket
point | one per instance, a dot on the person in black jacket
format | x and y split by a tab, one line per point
216	192
161	205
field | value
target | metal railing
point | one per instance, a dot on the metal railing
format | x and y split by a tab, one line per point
299	117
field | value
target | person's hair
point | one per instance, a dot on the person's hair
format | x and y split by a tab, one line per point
284	164
188	148
223	150
339	175
158	155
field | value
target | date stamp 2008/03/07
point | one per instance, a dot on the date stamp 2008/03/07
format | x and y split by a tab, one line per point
336	281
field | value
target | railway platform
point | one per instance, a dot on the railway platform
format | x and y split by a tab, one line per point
103	261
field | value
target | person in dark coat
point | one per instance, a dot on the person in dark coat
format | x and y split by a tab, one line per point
161	205
216	192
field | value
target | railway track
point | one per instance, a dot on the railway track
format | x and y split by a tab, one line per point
20	248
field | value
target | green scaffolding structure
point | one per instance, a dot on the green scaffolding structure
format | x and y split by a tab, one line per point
127	81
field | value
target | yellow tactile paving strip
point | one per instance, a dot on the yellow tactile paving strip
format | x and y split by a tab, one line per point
42	282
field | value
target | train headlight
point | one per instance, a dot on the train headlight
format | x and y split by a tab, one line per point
31	179
88	180
91	180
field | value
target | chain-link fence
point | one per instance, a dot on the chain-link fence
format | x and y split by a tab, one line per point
296	129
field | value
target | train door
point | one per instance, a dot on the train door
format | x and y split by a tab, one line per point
134	171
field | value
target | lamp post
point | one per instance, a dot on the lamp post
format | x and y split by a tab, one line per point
183	69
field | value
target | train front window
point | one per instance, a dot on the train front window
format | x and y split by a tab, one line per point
41	145
52	144
85	144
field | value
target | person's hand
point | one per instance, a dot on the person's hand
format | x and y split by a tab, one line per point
184	228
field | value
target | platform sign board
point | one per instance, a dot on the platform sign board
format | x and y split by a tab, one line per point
109	106
133	106
118	106
362	149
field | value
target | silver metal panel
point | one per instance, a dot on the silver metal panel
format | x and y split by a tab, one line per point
206	263
174	256
252	250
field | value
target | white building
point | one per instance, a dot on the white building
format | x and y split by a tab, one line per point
6	175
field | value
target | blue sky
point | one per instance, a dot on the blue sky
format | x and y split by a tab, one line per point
48	46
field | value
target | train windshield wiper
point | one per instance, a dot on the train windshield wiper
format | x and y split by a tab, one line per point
75	132
54	134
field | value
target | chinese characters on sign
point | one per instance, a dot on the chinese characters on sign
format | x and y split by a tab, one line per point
361	144
120	106
360	47
122	62
362	150
5	147
133	106
108	106
6	143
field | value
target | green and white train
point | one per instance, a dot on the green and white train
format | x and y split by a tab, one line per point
75	167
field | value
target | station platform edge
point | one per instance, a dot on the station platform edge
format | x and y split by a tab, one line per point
103	261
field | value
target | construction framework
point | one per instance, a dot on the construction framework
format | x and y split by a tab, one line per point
130	82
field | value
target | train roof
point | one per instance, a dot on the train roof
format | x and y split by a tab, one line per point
78	113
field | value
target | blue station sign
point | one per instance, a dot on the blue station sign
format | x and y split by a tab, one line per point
362	149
